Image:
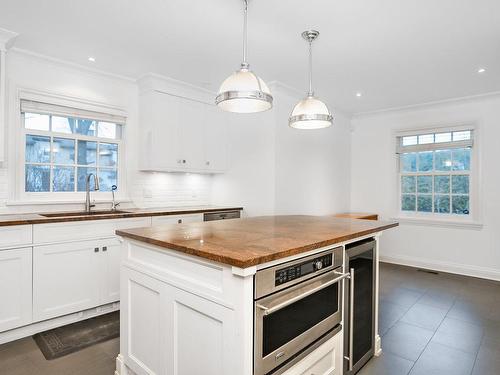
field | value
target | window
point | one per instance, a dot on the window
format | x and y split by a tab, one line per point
62	146
435	172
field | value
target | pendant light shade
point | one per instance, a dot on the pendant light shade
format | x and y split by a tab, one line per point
244	91
310	112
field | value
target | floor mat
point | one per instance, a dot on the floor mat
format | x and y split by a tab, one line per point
71	338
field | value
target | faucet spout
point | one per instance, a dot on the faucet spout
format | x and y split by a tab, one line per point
88	204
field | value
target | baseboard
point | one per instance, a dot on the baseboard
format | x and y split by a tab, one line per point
449	267
31	329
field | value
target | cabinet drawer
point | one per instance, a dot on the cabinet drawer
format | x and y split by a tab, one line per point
14	236
325	360
83	230
177	219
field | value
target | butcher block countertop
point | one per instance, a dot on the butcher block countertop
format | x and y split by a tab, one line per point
252	241
61	217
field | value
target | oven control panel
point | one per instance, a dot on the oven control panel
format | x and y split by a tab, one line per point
288	274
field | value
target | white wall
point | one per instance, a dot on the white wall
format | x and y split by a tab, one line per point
279	170
34	72
374	188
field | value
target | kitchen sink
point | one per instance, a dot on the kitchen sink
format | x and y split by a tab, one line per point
84	213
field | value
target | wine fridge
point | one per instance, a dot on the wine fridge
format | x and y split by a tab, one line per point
359	305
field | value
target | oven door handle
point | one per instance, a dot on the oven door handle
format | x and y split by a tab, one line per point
270	310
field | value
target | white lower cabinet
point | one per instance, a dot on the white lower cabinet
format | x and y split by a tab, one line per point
15	288
74	276
326	360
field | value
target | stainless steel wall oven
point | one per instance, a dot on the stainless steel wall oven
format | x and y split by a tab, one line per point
297	304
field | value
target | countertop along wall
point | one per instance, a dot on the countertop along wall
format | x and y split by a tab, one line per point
467	250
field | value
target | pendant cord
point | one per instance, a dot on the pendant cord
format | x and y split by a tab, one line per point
311	93
245	35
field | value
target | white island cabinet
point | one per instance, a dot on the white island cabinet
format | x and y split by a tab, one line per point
191	297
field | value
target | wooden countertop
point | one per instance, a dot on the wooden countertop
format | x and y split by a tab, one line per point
252	241
358	215
38	218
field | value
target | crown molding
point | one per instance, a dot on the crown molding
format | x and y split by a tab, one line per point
7	38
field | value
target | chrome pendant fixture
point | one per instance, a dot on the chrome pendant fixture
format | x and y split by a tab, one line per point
244	91
310	112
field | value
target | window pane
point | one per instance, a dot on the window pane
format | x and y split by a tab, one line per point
63	125
87	153
63	179
64	151
410	141
461	159
443	160
408	184
461	136
460	204
36	122
82	173
442	184
443	137
409	162
37	178
425	139
425	160
109	130
85	127
107	178
424	203
424	184
442	204
37	149
408	202
108	154
460	184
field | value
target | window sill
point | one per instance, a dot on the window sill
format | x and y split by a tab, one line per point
458	224
62	202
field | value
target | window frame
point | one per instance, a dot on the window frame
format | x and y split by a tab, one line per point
474	197
19	196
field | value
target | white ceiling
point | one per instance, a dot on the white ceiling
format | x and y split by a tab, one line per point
396	52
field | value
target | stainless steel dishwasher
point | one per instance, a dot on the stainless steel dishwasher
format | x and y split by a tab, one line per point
221	215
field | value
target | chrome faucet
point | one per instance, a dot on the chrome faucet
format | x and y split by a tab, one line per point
114	204
89	205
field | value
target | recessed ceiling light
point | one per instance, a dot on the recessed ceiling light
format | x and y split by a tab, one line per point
92	59
359	95
481	70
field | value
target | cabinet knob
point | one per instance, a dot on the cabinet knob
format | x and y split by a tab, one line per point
183	161
104	248
96	249
207	163
179	221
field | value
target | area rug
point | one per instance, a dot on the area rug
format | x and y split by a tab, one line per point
71	338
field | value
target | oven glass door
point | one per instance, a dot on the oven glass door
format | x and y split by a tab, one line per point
284	325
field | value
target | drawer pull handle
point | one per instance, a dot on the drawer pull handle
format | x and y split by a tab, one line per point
96	249
105	248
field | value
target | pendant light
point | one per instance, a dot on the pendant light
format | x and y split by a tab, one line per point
310	112
244	91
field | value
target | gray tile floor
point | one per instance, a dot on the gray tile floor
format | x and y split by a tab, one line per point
430	324
436	324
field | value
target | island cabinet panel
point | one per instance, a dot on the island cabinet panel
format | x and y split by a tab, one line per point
15	236
326	360
84	230
74	276
177	219
15	288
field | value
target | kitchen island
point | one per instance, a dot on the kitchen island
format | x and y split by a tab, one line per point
200	298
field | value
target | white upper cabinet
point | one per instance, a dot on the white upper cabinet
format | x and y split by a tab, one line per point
180	130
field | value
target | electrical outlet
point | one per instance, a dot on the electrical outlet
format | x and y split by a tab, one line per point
147	193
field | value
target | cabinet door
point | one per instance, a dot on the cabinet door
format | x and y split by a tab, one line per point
191	134
110	271
165	120
216	139
177	219
65	278
15	288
